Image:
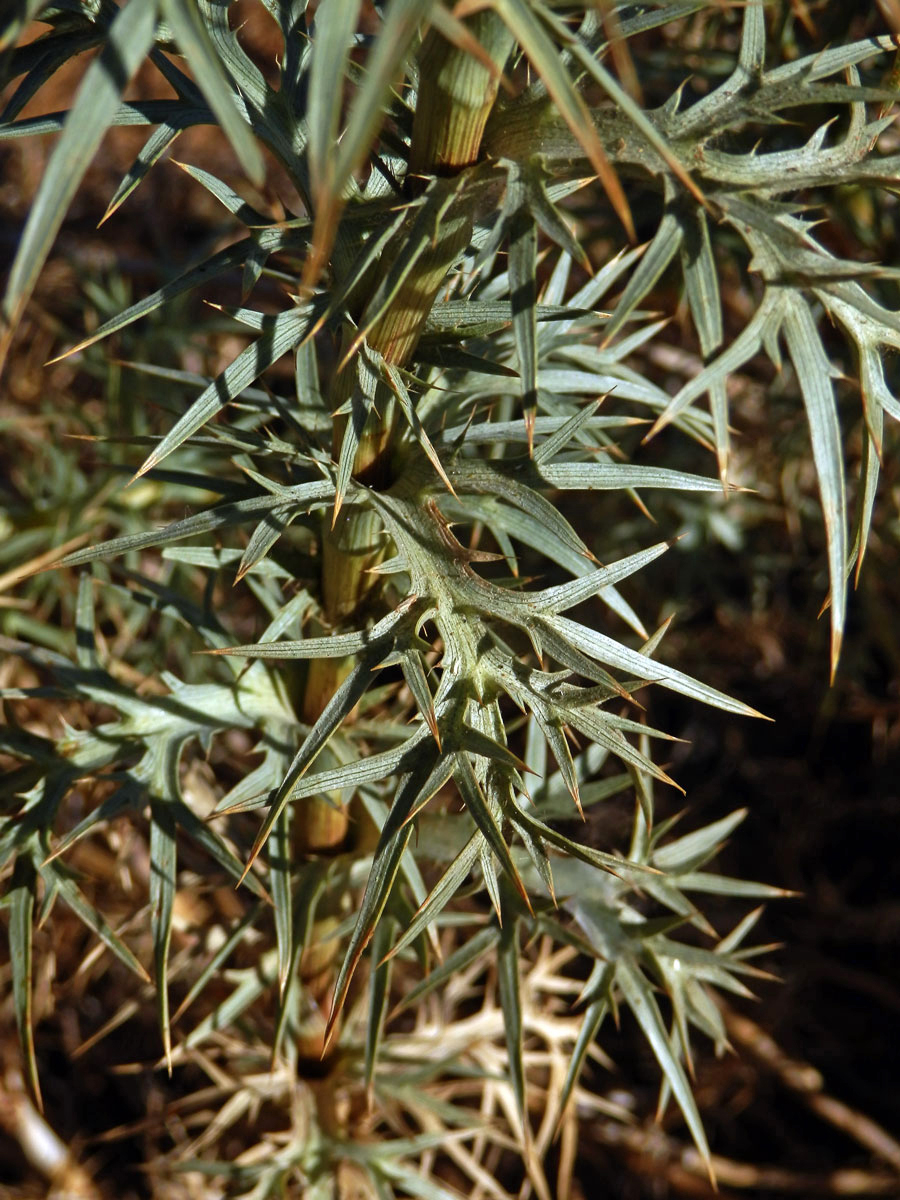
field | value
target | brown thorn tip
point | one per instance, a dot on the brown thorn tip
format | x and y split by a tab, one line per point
141	471
657	427
68	353
329	1034
253	853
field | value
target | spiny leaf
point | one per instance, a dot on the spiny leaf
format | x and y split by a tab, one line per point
587	1035
335	711
162	904
613	654
596	725
226	195
302	496
138	112
391	48
745	76
523	297
280	884
540	858
763	326
430	225
480	812
128	40
20	899
416	681
263	538
489	480
194	41
548	216
596	858
311	880
692	850
335	645
623	101
657	257
548	63
640	999
509	987
869	471
478	743
567	595
156	145
592	476
57	881
221	956
379	984
701	281
814	374
428	777
217	264
401	26
361	405
281	333
332	40
399	760
475	945
409	412
564	433
250	986
442	893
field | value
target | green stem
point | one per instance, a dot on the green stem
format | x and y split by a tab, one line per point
456	95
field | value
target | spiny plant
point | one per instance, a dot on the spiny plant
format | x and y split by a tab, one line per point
423	729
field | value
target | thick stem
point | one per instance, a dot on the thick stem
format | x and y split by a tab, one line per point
456	94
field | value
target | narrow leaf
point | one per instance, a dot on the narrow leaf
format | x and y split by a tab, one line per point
656	258
479	811
814	374
162	905
548	63
282	333
475	945
194	41
20	902
511	1003
224	515
130	37
587	1035
335	711
615	655
57	881
523	296
640	999
428	777
442	892
379	985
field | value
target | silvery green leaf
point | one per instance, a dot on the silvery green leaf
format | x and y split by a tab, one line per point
426	778
194	40
129	37
614	654
814	373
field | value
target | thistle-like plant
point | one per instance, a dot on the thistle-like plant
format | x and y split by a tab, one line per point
426	729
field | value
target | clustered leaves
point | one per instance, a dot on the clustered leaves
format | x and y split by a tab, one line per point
449	351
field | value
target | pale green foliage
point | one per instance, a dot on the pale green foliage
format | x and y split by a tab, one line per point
474	652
